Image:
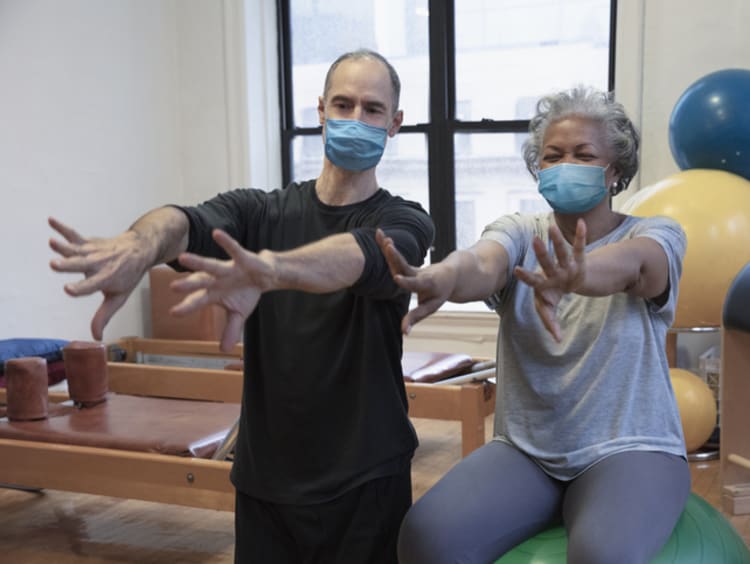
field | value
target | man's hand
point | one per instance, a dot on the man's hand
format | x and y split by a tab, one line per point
235	284
112	266
557	277
432	284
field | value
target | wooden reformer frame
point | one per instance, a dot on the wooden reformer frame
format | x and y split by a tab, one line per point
195	482
467	402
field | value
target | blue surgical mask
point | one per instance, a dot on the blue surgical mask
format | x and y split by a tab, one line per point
353	145
572	188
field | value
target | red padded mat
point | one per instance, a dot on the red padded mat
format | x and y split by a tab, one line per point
166	426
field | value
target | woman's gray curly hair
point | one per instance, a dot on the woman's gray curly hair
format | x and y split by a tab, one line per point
596	105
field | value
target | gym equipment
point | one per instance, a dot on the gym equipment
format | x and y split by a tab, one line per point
697	406
702	536
149	448
710	126
735	396
713	207
468	397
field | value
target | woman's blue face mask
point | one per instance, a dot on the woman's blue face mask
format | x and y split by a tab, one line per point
354	145
572	188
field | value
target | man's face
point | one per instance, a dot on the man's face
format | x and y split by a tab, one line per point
360	89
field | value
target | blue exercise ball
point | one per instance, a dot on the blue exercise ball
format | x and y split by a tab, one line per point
710	123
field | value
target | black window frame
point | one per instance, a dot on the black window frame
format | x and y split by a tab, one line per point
439	132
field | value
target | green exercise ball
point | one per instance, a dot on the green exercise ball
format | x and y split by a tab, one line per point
702	536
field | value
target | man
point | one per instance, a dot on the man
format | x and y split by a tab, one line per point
322	462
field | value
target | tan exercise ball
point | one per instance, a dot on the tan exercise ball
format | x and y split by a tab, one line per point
697	406
713	207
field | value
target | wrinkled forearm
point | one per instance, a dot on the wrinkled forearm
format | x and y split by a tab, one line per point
162	234
327	265
480	271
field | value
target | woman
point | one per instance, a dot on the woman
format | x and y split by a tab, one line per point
587	427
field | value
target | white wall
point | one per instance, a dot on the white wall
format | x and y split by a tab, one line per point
88	135
663	47
108	109
683	41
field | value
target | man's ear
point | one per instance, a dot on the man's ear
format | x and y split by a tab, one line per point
398	119
321	110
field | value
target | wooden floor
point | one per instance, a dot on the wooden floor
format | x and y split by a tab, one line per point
63	528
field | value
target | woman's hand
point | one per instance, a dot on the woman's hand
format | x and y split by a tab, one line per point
433	284
558	275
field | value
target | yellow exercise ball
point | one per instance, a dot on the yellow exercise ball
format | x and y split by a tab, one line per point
713	207
697	406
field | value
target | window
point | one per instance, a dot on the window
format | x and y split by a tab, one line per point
471	73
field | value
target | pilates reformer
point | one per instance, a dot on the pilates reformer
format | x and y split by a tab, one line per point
438	386
189	480
157	471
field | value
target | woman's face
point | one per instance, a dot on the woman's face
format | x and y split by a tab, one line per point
577	140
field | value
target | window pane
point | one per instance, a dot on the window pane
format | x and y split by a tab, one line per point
491	181
321	31
402	171
307	157
511	52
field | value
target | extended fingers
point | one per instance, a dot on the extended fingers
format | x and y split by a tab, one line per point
232	247
417	314
78	257
546	312
579	244
550	323
190	303
193	282
69	233
533	279
107	309
63	248
558	243
232	331
197	263
397	264
75	254
543	257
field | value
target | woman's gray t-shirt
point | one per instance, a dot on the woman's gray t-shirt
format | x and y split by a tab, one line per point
605	388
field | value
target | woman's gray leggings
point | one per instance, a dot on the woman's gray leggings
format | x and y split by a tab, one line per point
622	509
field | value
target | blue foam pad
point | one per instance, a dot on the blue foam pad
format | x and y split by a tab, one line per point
49	349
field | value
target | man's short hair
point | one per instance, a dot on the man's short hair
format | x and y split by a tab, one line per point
366	54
